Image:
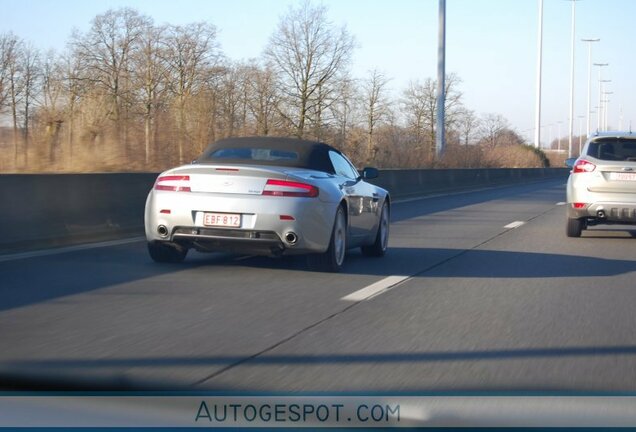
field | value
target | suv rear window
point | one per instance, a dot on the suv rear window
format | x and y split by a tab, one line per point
613	149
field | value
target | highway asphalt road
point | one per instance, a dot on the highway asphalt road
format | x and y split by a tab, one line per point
479	291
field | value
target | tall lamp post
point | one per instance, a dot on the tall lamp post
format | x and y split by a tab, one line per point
571	119
440	137
581	132
601	113
537	115
606	110
589	81
600	96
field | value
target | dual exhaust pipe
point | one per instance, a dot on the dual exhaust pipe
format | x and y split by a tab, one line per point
162	230
291	238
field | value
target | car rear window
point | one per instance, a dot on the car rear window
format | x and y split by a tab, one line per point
614	149
253	154
274	151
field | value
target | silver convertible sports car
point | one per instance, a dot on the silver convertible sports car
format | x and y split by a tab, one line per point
268	196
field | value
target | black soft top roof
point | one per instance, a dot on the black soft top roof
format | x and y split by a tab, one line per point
311	154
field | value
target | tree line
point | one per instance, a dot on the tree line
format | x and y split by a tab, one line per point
129	94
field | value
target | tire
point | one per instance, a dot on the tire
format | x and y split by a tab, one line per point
379	246
166	253
333	259
574	227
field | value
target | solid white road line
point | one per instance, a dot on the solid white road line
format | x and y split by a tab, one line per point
375	288
47	252
515	224
560	203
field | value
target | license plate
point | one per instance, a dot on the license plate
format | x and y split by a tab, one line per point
622	176
222	219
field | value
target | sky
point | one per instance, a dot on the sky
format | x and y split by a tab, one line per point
491	45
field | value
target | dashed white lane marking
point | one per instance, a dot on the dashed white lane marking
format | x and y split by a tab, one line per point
560	203
375	288
47	252
515	224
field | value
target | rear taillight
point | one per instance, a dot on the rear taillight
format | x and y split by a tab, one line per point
579	205
173	183
284	188
583	166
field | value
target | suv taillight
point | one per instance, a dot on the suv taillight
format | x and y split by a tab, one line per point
583	166
175	183
284	188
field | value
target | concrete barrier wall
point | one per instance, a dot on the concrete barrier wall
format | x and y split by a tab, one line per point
58	209
49	210
404	183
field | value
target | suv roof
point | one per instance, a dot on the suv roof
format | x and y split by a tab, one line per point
613	134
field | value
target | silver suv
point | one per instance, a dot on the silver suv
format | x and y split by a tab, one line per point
602	184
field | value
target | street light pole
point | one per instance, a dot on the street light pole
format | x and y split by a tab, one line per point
440	143
581	133
600	96
603	104
606	111
589	81
571	119
537	116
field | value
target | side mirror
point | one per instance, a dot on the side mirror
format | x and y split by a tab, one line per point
570	162
370	173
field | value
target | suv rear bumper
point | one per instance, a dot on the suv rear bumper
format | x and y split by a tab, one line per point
612	212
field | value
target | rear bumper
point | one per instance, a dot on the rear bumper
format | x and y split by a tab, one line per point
238	241
262	231
608	207
605	211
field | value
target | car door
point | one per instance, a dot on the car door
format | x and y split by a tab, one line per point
359	196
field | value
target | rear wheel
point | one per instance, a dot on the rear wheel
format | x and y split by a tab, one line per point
574	227
378	248
333	258
166	253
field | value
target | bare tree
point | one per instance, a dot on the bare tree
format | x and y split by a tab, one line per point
420	106
231	98
13	83
415	106
376	106
50	102
150	72
106	52
492	127
31	74
345	111
309	53
467	126
75	87
191	54
8	54
263	99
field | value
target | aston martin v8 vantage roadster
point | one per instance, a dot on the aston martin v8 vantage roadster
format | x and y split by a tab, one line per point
268	196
